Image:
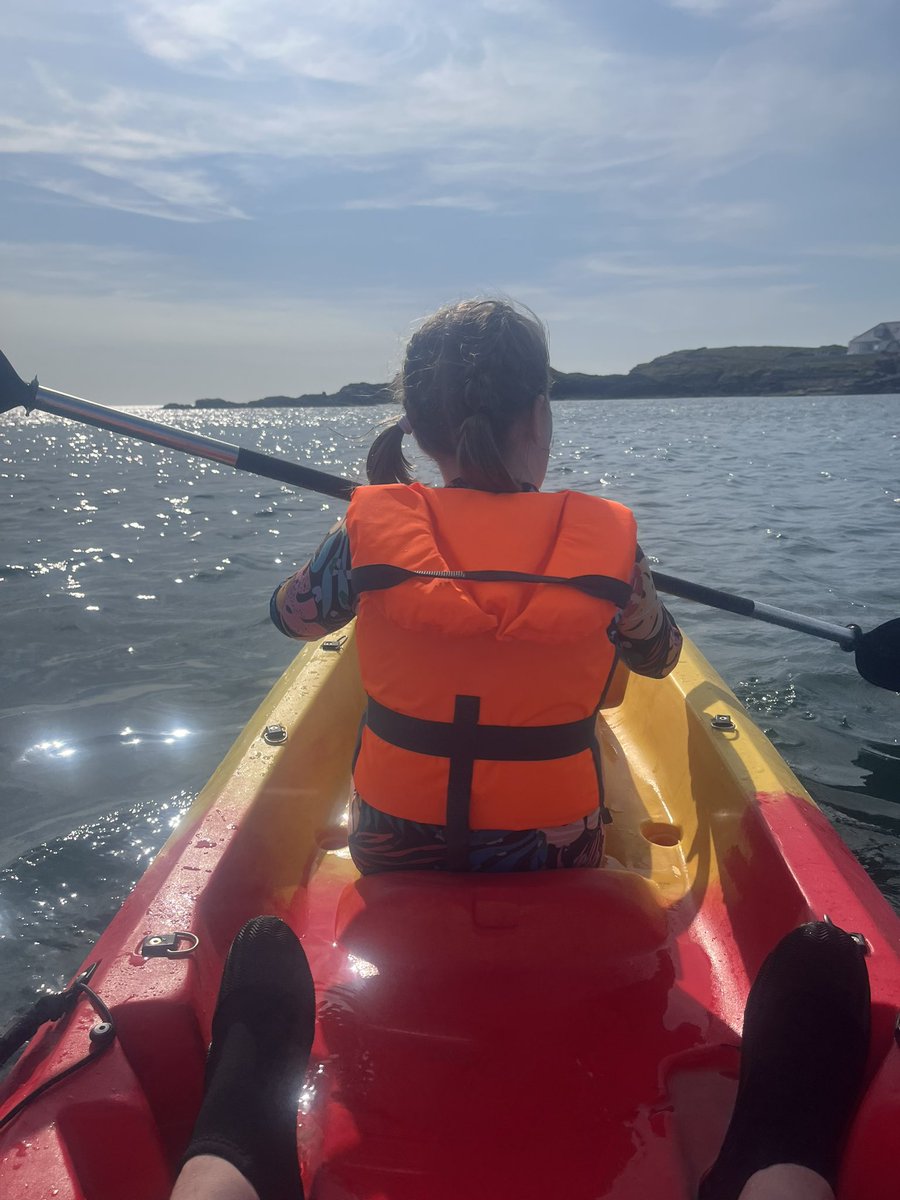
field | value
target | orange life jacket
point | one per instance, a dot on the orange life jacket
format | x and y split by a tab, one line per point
483	688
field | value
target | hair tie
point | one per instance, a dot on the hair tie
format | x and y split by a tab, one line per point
403	425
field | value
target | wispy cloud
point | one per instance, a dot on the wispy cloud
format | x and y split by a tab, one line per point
865	251
209	170
800	12
467	101
176	193
339	41
638	270
763	12
85	269
702	8
464	200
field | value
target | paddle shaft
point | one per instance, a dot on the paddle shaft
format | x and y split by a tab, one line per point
846	636
88	413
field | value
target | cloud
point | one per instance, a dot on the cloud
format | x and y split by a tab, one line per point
484	101
661	182
702	8
799	12
465	200
866	251
763	12
639	271
84	269
174	193
735	222
339	41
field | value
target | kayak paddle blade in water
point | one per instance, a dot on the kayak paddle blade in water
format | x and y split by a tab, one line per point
878	656
877	653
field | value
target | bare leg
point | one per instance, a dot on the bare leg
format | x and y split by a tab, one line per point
786	1181
209	1178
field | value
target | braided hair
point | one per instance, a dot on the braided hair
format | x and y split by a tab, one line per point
472	372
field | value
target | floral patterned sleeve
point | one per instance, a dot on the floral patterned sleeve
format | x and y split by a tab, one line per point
645	632
318	599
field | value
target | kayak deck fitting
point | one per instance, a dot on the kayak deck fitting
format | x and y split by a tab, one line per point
570	1033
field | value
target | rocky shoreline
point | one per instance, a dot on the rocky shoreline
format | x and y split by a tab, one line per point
728	371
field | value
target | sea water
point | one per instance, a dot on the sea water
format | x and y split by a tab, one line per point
134	589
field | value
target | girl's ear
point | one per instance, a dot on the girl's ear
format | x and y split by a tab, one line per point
541	420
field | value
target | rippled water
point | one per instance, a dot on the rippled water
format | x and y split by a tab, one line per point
136	640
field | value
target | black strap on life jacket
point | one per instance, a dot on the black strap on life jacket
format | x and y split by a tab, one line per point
378	576
464	741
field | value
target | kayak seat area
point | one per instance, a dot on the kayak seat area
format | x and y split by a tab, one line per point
476	918
452	1000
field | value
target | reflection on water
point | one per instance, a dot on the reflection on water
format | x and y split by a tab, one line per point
134	585
59	897
57	749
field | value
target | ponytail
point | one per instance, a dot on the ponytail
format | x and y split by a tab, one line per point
386	462
479	456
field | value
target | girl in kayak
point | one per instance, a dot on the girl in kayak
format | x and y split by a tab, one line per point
491	615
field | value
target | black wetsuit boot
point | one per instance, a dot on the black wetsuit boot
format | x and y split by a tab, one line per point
803	1055
262	1032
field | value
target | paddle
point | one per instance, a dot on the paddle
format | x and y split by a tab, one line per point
15	391
877	652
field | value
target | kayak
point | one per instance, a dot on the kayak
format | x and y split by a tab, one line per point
572	1033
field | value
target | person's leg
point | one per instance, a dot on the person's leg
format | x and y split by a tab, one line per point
783	1182
244	1144
206	1177
805	1042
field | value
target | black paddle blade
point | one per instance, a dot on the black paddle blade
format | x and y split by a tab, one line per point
878	656
13	390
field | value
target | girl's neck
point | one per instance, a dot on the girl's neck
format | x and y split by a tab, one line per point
527	453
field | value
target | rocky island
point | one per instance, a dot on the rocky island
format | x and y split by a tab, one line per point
727	371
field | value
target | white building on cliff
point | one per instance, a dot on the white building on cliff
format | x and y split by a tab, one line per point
880	337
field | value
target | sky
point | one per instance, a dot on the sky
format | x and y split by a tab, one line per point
240	198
